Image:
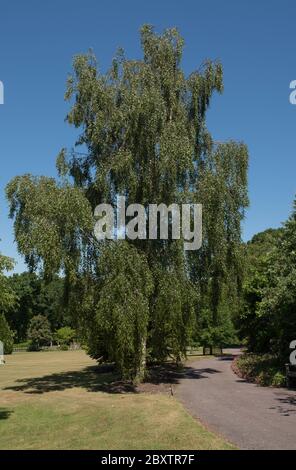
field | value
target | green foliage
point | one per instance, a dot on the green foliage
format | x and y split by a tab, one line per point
26	289
268	319
6	335
7	301
255	327
35	296
218	267
261	247
172	322
279	299
65	335
122	308
7	296
49	222
220	333
263	369
39	332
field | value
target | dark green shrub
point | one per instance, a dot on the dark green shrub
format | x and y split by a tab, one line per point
39	332
264	369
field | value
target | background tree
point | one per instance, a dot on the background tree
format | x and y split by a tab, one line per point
257	329
6	335
51	303
279	297
7	295
7	301
65	335
39	332
36	296
26	287
268	319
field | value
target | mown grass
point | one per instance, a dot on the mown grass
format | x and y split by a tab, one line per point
59	400
263	369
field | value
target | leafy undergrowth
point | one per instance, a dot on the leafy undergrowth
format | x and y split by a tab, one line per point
263	369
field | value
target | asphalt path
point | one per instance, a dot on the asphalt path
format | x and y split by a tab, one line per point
249	416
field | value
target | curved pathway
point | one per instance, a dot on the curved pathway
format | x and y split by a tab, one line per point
249	416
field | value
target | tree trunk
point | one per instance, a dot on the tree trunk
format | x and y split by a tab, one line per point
140	373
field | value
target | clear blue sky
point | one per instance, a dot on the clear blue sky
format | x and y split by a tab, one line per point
255	40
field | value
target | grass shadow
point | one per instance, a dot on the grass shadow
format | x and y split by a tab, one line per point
102	379
92	378
4	413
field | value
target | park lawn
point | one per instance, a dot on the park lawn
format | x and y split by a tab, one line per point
58	400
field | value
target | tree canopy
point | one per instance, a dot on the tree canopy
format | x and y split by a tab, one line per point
39	332
7	295
7	301
268	317
34	296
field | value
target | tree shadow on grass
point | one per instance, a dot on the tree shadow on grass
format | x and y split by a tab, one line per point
4	413
92	378
102	379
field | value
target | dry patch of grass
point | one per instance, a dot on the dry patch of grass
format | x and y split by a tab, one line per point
59	400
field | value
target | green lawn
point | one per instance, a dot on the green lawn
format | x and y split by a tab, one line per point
58	400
